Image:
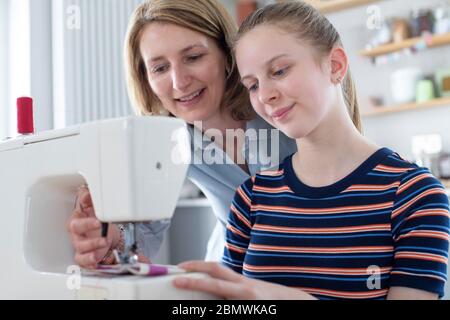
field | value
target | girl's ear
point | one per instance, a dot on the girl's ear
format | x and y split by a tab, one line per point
339	64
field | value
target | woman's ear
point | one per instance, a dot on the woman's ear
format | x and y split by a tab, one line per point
339	64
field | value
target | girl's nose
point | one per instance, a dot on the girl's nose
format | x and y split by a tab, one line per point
268	94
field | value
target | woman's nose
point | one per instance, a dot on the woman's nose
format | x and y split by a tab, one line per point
181	79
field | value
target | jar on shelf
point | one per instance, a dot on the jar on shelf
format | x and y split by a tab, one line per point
441	19
400	30
422	21
383	35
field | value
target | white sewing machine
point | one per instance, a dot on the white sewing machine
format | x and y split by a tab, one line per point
135	168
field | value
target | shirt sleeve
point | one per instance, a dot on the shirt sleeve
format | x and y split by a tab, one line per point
420	230
238	227
150	235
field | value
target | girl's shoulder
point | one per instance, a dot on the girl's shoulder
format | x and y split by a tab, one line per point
415	183
273	177
407	170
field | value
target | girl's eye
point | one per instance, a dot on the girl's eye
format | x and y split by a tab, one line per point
280	72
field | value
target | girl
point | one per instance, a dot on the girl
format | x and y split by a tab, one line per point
342	218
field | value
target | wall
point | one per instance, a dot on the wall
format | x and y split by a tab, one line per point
394	130
230	5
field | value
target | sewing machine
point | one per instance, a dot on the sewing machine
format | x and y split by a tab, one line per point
135	168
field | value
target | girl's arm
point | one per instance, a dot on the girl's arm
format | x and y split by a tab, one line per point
403	293
228	284
420	233
239	227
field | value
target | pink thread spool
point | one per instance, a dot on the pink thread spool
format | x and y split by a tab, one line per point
25	115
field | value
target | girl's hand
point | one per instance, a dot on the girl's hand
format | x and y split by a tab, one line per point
227	284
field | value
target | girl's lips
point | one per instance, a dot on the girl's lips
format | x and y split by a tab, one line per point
280	113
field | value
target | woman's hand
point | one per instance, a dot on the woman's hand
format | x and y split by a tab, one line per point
227	284
85	232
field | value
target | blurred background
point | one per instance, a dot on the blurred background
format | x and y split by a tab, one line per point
67	55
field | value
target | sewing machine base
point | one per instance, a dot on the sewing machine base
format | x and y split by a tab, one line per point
137	288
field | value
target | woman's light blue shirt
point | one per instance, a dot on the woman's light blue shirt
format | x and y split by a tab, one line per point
218	177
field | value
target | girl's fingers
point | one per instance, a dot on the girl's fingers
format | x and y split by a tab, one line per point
214	269
219	288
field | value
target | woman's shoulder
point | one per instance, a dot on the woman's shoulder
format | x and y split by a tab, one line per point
258	123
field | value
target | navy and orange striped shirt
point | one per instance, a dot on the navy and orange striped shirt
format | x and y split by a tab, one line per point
385	224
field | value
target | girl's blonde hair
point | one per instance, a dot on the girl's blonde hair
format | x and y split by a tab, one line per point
311	26
208	17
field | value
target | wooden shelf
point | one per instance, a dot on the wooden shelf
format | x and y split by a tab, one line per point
381	110
337	5
434	41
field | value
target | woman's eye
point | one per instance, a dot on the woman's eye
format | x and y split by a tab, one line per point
159	69
194	57
253	87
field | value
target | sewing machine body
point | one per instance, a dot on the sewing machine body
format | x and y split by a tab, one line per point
135	168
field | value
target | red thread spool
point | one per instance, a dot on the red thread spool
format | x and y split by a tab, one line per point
25	115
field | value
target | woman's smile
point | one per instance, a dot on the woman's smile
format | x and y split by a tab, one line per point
192	99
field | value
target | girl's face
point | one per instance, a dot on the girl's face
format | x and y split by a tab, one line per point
286	85
186	70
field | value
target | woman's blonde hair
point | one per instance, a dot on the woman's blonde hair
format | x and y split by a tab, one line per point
311	26
208	17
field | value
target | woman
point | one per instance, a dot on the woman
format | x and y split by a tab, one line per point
179	63
343	218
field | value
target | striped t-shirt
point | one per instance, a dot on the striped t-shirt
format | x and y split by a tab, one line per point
385	224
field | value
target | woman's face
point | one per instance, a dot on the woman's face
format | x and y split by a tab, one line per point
186	70
287	87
